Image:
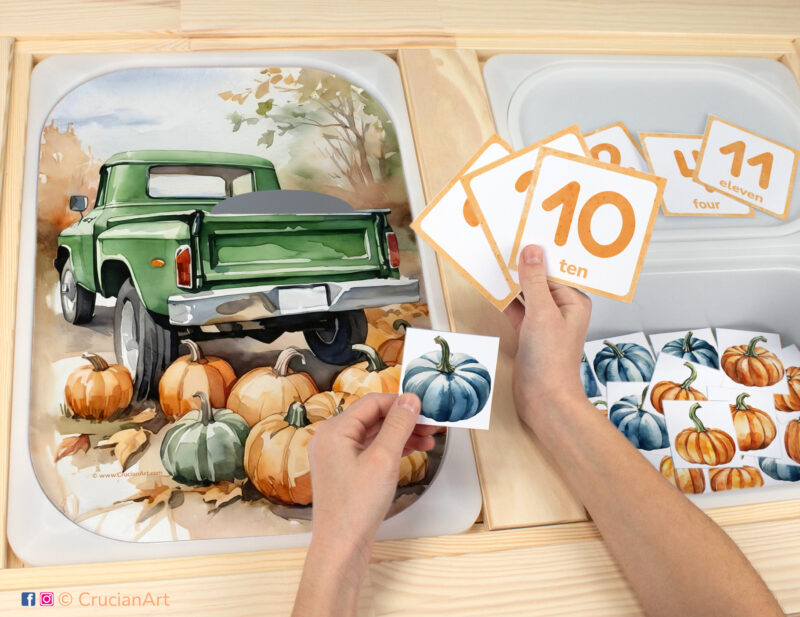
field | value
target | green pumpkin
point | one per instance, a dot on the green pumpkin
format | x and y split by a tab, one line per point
206	445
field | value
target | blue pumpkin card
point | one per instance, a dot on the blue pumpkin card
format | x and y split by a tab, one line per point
697	345
627	357
645	429
453	374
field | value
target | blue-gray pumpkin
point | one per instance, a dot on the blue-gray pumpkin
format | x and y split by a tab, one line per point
693	349
206	445
623	362
588	380
644	429
779	471
452	387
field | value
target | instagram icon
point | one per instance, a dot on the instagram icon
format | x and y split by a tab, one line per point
46	598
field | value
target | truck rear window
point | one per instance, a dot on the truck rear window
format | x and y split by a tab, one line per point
198	182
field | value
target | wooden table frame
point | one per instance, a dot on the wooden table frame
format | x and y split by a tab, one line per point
561	567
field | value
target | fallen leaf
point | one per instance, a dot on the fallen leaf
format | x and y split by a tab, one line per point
126	444
221	494
72	445
154	498
143	416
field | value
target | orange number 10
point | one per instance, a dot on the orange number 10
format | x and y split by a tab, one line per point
568	197
764	159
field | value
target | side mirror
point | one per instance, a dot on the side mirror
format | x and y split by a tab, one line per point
78	203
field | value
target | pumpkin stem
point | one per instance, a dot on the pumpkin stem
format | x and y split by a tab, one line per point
644	397
751	347
374	361
206	415
284	358
98	363
740	404
690	379
583	358
599	402
339	408
296	415
687	342
195	353
615	349
444	365
698	425
400	323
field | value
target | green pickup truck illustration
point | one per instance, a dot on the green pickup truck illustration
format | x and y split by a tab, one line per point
180	264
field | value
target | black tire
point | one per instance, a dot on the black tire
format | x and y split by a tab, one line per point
77	303
142	342
332	345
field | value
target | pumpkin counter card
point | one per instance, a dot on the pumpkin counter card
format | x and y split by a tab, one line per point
453	375
224	262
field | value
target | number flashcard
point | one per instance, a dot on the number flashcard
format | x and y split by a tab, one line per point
674	157
451	226
752	169
701	434
593	219
614	144
498	190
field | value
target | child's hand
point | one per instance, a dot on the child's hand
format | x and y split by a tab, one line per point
355	460
551	327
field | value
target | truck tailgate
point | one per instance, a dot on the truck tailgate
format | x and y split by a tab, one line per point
294	245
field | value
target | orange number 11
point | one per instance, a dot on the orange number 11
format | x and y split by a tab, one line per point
568	197
764	159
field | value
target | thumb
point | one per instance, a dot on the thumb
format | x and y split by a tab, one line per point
398	425
533	279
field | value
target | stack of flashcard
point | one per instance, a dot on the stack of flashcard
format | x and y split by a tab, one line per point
712	414
591	201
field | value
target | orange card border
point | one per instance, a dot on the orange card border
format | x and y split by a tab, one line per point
643	134
660	184
711	118
620	124
467	178
416	225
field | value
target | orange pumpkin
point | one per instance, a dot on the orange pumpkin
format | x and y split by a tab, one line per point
324	405
193	373
380	321
673	391
391	350
791	439
704	446
370	376
267	390
750	365
791	401
734	477
686	480
98	390
755	430
413	468
276	455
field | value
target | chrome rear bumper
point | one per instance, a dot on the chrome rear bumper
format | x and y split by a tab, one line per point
264	301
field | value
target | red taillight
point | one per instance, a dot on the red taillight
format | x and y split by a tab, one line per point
183	266
394	251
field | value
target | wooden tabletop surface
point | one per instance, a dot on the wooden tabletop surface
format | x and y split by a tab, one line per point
546	570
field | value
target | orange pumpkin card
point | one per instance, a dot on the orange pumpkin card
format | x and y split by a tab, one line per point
614	144
701	434
789	404
450	224
678	379
754	419
752	360
593	221
750	168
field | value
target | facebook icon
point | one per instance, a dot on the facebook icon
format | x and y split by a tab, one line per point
28	598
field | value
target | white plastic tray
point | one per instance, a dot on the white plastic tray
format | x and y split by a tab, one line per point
38	532
737	273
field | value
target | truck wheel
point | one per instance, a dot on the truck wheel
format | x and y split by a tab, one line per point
332	344
142	344
77	303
